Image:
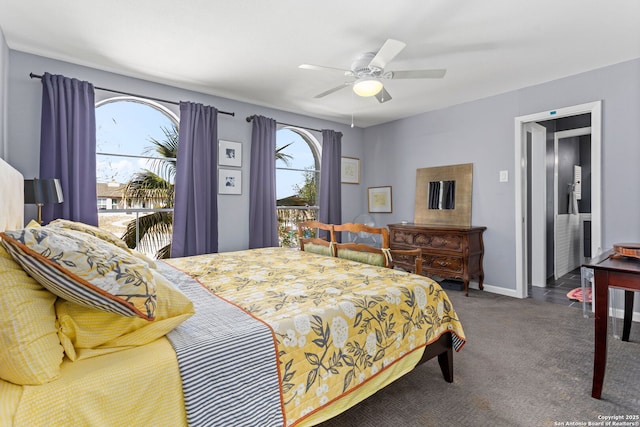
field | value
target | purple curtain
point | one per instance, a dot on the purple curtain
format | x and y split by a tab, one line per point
195	212
68	147
330	188
263	220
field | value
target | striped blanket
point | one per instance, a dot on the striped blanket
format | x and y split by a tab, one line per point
227	361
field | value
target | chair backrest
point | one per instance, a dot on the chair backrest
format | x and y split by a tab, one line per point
381	256
406	257
362	252
310	241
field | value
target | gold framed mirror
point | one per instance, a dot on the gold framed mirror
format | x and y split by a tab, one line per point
443	195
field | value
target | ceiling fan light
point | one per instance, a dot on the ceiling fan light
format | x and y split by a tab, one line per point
367	87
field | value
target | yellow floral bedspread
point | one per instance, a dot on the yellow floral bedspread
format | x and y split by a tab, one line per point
337	323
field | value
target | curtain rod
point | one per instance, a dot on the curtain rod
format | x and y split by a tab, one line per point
35	76
249	118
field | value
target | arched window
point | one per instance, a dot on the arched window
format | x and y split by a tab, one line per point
297	180
136	142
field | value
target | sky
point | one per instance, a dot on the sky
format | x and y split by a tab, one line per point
125	127
302	159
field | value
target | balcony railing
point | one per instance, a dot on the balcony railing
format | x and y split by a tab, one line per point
116	221
288	219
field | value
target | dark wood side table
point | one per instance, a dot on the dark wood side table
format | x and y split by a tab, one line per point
610	272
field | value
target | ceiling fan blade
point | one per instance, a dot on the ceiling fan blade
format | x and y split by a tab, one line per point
419	74
387	52
327	69
383	96
330	91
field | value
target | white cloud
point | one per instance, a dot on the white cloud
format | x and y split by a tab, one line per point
115	169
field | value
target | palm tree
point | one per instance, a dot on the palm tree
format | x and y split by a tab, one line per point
157	186
281	155
154	186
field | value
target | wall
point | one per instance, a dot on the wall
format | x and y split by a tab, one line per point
24	131
4	67
482	132
479	132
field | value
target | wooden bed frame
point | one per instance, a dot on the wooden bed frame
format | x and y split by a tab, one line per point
443	348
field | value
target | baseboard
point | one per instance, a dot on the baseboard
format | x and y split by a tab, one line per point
619	314
494	289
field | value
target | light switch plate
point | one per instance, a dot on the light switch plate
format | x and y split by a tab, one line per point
504	176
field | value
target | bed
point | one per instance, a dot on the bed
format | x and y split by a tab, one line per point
272	336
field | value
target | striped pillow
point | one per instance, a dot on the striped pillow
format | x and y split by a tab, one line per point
84	269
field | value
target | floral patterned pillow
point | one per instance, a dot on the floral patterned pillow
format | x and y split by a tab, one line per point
85	269
89	229
101	234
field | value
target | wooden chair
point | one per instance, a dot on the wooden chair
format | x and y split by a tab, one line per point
310	241
382	256
401	258
363	252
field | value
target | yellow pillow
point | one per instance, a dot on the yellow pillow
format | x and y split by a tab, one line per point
82	328
30	352
84	269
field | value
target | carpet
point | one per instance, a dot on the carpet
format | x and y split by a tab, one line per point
576	294
526	363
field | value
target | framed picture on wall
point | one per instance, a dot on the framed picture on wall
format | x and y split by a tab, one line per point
379	199
350	170
229	181
229	153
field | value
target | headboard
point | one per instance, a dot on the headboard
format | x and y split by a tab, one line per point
11	197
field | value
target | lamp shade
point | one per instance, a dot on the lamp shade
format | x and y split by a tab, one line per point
367	87
42	191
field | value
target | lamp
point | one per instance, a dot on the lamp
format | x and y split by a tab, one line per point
40	192
367	87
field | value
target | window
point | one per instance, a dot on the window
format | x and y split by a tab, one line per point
136	142
297	179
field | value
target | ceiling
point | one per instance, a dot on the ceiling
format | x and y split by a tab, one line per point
250	50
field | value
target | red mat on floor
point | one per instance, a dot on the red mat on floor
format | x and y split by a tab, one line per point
576	294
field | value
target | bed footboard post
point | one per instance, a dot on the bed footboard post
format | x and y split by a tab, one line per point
445	360
443	348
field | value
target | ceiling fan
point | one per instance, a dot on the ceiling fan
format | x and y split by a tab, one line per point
368	72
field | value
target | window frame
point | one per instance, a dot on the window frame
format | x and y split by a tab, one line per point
287	222
314	146
173	118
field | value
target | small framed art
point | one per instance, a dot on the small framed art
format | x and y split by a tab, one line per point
229	153
350	170
229	181
379	199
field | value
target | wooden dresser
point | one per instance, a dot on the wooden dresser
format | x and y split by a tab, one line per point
448	252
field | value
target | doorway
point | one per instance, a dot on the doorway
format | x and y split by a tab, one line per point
572	199
531	192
